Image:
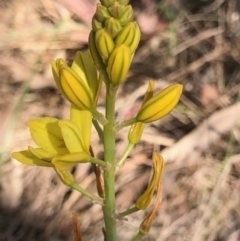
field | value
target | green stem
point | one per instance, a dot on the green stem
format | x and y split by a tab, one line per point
124	124
98	129
99	116
127	212
90	195
99	162
123	158
109	155
138	236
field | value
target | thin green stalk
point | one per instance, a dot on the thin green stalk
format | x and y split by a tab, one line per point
98	129
90	195
125	123
127	212
109	155
123	158
101	163
138	237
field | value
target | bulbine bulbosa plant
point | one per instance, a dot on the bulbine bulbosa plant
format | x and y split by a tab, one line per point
64	143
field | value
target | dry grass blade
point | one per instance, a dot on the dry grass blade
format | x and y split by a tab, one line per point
77	229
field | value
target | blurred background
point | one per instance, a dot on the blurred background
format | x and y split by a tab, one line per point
196	43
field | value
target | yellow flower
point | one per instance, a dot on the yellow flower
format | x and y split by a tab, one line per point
160	105
80	83
61	143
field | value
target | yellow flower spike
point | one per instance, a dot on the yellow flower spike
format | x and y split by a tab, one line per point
113	26
144	200
104	43
94	52
46	134
67	161
26	157
118	64
75	89
129	35
160	105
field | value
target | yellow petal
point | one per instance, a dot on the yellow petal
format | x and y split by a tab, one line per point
65	176
41	154
83	119
70	160
47	135
72	136
28	158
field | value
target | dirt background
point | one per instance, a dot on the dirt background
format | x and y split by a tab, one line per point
196	43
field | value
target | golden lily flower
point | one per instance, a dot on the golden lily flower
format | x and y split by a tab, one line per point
62	143
80	83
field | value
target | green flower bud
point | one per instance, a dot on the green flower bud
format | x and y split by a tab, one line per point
65	176
116	10
113	26
129	35
102	13
94	52
123	2
119	63
107	3
126	16
104	43
96	24
160	105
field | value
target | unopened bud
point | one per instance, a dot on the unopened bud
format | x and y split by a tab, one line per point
129	35
160	105
65	176
118	64
102	13
113	26
107	3
104	43
96	24
126	16
97	59
116	10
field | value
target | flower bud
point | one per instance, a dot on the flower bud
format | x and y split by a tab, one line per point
135	133
107	3
116	10
104	43
94	52
123	2
126	15
96	24
75	89
102	13
160	105
129	35
119	64
144	200
136	130
113	26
